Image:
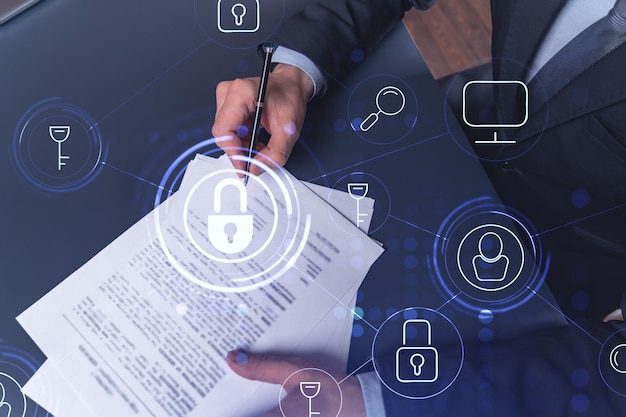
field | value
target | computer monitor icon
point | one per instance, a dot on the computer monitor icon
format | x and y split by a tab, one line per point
471	89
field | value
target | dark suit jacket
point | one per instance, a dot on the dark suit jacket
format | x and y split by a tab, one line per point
582	150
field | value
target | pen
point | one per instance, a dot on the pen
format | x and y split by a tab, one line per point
268	50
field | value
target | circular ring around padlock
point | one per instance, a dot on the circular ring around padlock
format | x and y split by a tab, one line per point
422	371
293	244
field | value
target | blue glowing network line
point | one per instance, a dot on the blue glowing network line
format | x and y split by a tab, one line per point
136	177
417	227
145	87
374	158
580	220
564	315
356	370
447	302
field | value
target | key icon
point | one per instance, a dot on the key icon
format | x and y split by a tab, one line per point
358	191
60	134
310	390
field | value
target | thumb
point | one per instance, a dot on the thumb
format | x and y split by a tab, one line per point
260	367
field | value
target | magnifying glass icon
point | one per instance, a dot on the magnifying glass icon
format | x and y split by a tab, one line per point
390	101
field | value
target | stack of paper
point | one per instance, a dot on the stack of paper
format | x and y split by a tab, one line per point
136	331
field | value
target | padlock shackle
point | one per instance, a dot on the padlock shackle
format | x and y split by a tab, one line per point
219	188
424	321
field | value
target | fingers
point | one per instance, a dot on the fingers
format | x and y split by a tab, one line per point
284	135
288	94
233	146
235	106
283	114
260	367
291	373
616	315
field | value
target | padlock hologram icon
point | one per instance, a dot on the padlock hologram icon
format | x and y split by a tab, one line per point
238	16
230	233
417	363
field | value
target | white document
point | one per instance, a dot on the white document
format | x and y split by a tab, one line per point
49	388
343	203
140	338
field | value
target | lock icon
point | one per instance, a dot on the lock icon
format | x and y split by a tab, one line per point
230	233
419	363
238	16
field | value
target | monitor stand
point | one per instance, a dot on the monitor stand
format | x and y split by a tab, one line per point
494	141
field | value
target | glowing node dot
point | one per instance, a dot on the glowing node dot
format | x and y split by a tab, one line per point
357	262
340	125
242	131
357	330
580	403
409	314
580	377
485	335
580	198
242	358
182	309
485	316
410	262
357	55
290	128
242	310
410	244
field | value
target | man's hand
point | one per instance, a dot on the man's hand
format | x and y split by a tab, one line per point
285	371
288	91
617	315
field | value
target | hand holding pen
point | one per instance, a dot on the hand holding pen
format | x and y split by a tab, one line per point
284	107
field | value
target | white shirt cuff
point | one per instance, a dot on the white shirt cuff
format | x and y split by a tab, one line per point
372	394
288	56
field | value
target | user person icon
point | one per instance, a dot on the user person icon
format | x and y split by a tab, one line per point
5	407
490	264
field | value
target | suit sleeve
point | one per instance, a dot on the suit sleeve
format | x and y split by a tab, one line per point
328	32
550	373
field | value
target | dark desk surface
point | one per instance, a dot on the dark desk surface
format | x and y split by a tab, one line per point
146	71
